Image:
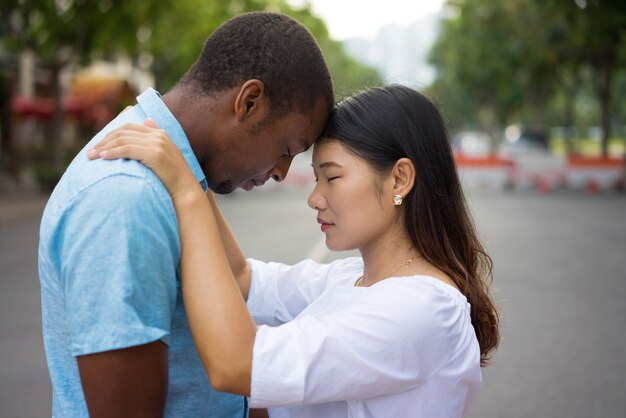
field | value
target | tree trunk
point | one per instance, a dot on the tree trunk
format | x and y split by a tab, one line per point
537	112
604	77
27	74
569	81
487	122
568	121
6	146
56	140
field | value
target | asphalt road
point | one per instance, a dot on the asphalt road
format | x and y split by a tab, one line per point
560	282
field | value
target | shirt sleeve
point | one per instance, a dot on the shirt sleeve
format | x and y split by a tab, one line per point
279	292
370	349
120	252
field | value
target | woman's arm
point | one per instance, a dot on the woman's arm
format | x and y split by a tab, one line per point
236	258
222	328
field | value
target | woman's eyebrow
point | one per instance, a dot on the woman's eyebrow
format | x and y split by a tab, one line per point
329	164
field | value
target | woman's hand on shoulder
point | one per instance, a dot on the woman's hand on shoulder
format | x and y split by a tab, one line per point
154	148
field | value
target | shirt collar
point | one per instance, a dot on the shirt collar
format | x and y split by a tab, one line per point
151	104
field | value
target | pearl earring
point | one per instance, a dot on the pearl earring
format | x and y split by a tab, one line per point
397	199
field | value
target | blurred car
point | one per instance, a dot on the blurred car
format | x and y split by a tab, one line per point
518	141
471	144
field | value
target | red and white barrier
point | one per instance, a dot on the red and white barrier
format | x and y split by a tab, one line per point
543	172
594	174
484	172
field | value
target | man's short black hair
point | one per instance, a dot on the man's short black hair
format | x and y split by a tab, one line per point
270	47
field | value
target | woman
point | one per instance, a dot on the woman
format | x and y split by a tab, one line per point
401	331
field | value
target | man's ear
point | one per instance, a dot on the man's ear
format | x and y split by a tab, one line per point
251	100
403	175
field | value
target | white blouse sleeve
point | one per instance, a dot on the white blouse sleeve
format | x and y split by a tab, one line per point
387	344
279	292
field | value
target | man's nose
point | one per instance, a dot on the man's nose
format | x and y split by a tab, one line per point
280	170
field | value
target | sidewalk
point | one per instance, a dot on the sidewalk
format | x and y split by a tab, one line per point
18	205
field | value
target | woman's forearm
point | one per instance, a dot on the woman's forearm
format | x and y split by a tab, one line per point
236	258
221	326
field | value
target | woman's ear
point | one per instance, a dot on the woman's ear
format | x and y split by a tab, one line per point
251	100
403	175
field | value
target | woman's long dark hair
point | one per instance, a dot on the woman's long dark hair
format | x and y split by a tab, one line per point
382	125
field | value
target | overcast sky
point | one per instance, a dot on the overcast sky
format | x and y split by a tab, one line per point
362	18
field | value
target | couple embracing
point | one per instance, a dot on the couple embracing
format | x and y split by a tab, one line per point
151	309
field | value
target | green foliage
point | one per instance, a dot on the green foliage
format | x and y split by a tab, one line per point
178	37
527	61
61	31
172	32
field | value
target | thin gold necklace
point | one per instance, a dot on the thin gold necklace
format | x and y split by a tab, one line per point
405	263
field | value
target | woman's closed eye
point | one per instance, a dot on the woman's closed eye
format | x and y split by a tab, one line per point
328	179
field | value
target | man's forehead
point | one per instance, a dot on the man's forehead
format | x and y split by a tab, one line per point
312	124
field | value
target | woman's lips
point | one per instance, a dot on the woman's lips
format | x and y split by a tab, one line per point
325	225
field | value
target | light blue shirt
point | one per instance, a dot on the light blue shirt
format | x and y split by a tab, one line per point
109	255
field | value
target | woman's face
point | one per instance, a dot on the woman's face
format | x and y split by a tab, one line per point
354	204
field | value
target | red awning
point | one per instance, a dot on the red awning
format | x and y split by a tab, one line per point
42	107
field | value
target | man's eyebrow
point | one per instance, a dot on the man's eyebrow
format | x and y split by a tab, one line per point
305	146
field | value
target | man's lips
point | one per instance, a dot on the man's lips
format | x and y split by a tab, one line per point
250	184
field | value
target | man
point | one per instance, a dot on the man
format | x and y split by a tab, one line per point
115	331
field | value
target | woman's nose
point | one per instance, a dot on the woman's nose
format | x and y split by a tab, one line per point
280	170
315	199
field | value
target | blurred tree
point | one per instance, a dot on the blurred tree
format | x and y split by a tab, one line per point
475	67
164	35
600	33
175	49
60	32
509	59
348	74
7	163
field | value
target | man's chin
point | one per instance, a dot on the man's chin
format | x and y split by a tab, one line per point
229	186
224	187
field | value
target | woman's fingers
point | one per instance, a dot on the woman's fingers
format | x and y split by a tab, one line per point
115	135
118	149
152	150
150	123
127	139
147	128
133	134
132	151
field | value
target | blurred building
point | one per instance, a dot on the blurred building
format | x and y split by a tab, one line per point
90	98
400	53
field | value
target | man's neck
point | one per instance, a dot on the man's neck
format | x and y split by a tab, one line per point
188	108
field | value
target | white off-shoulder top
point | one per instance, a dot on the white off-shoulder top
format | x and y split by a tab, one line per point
404	347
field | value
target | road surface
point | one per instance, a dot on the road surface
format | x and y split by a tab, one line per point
560	282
